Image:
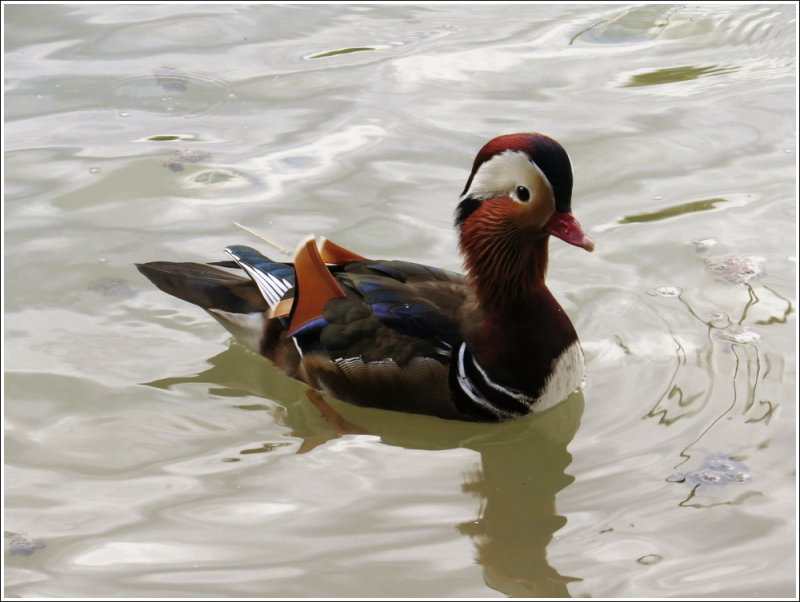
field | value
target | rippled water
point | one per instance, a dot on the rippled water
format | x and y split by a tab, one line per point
148	455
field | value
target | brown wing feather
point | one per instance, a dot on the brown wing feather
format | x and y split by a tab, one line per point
420	387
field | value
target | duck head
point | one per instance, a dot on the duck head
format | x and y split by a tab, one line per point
517	195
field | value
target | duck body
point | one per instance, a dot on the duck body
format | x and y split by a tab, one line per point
489	345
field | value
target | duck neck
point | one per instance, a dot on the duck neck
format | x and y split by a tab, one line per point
522	329
507	270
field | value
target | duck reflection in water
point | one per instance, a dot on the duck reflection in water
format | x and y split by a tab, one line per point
521	468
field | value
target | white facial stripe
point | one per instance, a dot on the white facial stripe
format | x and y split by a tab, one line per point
500	175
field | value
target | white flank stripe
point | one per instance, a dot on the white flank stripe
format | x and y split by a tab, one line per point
467	387
519	396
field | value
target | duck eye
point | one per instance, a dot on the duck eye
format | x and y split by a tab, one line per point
523	194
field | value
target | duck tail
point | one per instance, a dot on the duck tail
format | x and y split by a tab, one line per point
234	301
206	286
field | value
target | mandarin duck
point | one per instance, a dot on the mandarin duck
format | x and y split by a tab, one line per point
490	345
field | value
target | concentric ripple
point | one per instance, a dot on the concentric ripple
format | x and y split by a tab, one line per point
170	90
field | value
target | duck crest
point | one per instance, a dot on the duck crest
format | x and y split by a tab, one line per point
548	155
488	346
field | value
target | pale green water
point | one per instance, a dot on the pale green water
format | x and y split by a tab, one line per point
147	455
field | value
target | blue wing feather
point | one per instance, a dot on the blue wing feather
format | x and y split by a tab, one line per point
399	307
255	259
275	280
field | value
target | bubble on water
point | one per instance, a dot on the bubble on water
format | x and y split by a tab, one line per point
666	291
737	334
704	244
21	544
737	270
179	157
716	471
720	464
94	169
124	114
738	477
705	476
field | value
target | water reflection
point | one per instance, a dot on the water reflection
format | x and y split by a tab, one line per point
520	469
750	364
675	74
673	211
728	372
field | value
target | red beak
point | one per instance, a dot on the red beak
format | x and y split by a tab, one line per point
567	228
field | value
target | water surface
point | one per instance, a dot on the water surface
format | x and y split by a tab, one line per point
148	455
